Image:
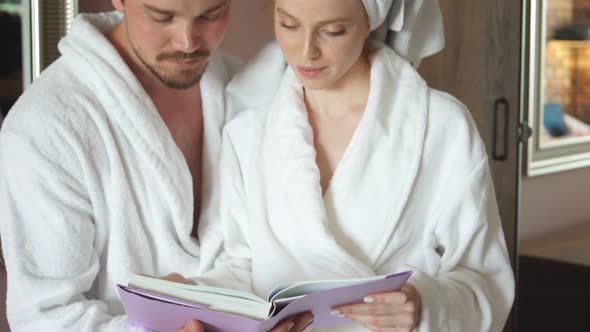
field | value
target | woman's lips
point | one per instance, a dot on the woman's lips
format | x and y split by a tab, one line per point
310	72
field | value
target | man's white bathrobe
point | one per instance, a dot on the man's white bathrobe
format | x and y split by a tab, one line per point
412	192
93	187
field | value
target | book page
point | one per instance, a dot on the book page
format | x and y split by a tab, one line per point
218	299
139	281
295	290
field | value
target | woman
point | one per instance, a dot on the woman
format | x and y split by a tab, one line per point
356	169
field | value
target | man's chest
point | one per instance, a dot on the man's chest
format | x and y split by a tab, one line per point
186	128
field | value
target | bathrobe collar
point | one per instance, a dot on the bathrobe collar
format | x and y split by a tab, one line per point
134	112
395	119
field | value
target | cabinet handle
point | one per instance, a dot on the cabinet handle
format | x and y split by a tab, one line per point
500	130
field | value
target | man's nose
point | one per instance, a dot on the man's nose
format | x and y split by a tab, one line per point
188	38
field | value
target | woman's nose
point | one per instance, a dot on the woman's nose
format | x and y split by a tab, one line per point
310	48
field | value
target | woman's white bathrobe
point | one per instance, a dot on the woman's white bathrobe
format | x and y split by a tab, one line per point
412	192
93	187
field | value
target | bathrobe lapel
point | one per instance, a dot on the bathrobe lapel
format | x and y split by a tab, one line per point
134	112
375	175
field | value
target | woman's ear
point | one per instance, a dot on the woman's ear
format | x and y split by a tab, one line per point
368	33
368	25
118	4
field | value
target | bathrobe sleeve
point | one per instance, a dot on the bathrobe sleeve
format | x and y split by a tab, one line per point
48	233
474	288
228	221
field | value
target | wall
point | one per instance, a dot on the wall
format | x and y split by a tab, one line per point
554	202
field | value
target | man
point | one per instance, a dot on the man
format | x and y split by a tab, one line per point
107	158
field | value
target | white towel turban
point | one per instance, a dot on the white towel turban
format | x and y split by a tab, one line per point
413	28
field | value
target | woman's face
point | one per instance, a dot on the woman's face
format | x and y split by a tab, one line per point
321	39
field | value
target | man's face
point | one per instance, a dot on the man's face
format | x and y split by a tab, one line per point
175	39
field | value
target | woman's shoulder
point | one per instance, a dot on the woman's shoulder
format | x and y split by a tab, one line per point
443	106
450	122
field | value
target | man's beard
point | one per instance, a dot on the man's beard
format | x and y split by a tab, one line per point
183	79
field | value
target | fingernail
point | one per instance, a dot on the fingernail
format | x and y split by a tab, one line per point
335	312
369	300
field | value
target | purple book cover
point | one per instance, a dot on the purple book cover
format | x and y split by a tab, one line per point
166	314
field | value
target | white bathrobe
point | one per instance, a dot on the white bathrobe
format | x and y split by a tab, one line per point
412	192
93	187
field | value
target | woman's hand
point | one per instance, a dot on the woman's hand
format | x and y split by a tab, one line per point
297	324
387	312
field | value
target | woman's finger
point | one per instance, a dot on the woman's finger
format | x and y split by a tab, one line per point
388	329
373	309
398	320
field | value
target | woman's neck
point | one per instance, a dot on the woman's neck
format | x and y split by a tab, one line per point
350	93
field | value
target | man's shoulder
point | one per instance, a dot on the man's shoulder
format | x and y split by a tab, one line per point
58	85
53	102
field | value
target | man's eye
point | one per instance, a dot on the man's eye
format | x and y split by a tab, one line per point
214	15
162	19
211	17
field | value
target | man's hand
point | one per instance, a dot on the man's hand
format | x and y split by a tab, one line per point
192	326
395	311
297	324
175	277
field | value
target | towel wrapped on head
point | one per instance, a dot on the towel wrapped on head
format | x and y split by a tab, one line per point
413	28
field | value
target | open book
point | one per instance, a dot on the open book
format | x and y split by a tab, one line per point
166	306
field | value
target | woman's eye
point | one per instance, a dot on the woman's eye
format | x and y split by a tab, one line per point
288	27
335	32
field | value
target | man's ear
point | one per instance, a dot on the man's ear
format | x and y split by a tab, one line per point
118	4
